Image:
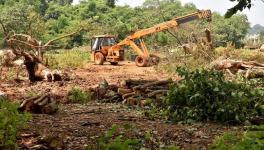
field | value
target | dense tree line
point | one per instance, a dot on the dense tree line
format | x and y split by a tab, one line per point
46	19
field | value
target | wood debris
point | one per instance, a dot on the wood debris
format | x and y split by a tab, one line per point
249	69
132	92
41	104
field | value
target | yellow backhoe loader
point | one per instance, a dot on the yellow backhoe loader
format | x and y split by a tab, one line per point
104	47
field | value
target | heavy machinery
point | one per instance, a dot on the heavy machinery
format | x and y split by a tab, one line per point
104	47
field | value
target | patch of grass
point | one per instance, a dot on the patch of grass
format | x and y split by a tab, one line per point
252	139
74	58
77	95
240	54
200	58
117	139
32	94
11	121
109	142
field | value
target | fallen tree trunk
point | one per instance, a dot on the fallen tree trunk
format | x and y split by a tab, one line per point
37	71
249	69
156	83
132	83
32	50
253	73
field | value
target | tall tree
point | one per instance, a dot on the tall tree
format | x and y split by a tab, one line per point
232	30
111	3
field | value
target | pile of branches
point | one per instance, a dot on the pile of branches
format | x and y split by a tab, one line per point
41	104
132	92
248	69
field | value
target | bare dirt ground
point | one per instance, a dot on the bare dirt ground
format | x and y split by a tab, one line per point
75	126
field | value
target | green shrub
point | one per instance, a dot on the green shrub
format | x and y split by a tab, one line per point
205	95
252	139
77	95
68	59
11	121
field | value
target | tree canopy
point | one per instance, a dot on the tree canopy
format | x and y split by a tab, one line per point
45	19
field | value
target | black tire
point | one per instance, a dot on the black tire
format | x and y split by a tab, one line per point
141	61
114	63
154	59
99	58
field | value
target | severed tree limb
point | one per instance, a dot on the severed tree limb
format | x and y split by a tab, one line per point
28	100
39	104
143	87
61	37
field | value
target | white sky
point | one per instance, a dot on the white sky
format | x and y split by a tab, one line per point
255	14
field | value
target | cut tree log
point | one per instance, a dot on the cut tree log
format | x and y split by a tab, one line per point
154	93
132	101
123	91
131	83
125	96
156	83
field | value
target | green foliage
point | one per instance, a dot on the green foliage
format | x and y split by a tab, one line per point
205	95
77	95
251	139
68	58
22	17
11	121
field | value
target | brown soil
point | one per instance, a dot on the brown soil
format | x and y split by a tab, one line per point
75	126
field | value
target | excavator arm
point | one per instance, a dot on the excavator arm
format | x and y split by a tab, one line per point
203	14
140	48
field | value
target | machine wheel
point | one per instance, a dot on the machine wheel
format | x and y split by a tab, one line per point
154	59
114	63
141	61
99	58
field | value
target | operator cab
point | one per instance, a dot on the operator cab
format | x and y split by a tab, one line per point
102	41
100	46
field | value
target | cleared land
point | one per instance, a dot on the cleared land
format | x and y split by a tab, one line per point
76	125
